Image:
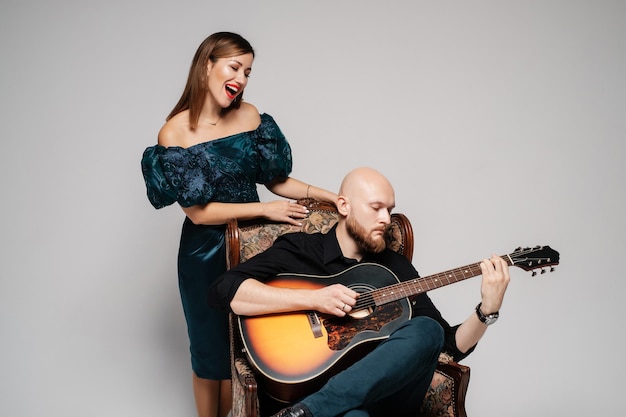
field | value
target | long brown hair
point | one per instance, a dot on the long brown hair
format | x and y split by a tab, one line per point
218	45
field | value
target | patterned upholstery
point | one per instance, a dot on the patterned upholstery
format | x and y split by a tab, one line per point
446	396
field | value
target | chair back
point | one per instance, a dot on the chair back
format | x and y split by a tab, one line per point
248	238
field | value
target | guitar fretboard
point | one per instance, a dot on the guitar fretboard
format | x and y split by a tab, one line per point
417	286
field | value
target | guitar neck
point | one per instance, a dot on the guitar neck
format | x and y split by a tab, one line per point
417	286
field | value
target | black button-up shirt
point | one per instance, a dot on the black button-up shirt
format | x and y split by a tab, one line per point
320	254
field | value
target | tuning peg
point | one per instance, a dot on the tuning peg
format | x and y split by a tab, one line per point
552	269
533	274
543	271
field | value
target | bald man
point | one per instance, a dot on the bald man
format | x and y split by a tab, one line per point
393	378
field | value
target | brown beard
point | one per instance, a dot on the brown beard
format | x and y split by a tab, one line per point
363	239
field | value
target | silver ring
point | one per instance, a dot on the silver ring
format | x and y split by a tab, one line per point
344	306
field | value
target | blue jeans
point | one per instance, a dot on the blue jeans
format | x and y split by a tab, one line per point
390	380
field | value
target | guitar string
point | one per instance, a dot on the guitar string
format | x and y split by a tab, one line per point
414	286
397	291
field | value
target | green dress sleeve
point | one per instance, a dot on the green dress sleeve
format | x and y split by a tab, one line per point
273	150
225	169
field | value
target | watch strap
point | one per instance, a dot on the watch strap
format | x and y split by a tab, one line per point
486	318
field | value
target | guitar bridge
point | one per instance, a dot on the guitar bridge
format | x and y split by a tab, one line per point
315	323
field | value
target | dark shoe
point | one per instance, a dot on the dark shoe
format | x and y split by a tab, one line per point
296	410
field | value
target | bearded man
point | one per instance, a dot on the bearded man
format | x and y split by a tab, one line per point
392	378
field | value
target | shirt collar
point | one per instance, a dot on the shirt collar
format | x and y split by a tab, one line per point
332	250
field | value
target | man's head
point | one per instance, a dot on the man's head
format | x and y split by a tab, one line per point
365	201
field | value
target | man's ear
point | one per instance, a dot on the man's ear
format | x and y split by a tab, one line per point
343	205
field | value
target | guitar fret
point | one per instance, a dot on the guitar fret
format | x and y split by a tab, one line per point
416	288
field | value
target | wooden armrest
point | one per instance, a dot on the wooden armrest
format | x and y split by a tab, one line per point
448	389
244	385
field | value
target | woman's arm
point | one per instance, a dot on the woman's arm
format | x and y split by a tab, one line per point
292	188
215	213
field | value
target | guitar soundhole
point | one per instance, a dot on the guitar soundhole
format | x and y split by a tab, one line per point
363	308
364	304
362	313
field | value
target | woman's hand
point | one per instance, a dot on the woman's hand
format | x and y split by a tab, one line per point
285	211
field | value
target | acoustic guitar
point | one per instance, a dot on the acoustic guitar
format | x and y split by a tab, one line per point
295	353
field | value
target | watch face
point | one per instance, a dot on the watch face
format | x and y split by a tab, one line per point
490	319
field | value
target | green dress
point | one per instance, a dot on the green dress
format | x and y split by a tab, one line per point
225	170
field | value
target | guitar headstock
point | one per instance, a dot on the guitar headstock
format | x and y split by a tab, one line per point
530	259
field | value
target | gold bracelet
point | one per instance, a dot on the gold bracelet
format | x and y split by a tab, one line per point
307	190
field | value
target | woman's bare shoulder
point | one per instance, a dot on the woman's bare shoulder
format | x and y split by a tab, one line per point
246	117
174	130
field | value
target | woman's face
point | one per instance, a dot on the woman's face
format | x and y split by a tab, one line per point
228	77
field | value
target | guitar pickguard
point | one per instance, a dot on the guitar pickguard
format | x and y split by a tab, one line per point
348	330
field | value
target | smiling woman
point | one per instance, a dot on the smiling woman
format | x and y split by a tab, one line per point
211	153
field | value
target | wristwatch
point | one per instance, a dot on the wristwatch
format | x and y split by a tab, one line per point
487	319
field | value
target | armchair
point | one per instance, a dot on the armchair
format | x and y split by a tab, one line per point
446	396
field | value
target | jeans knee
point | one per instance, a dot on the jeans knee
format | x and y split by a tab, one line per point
436	330
429	333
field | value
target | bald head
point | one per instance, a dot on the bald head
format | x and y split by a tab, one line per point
366	182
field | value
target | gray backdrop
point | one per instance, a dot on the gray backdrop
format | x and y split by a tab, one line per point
501	124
